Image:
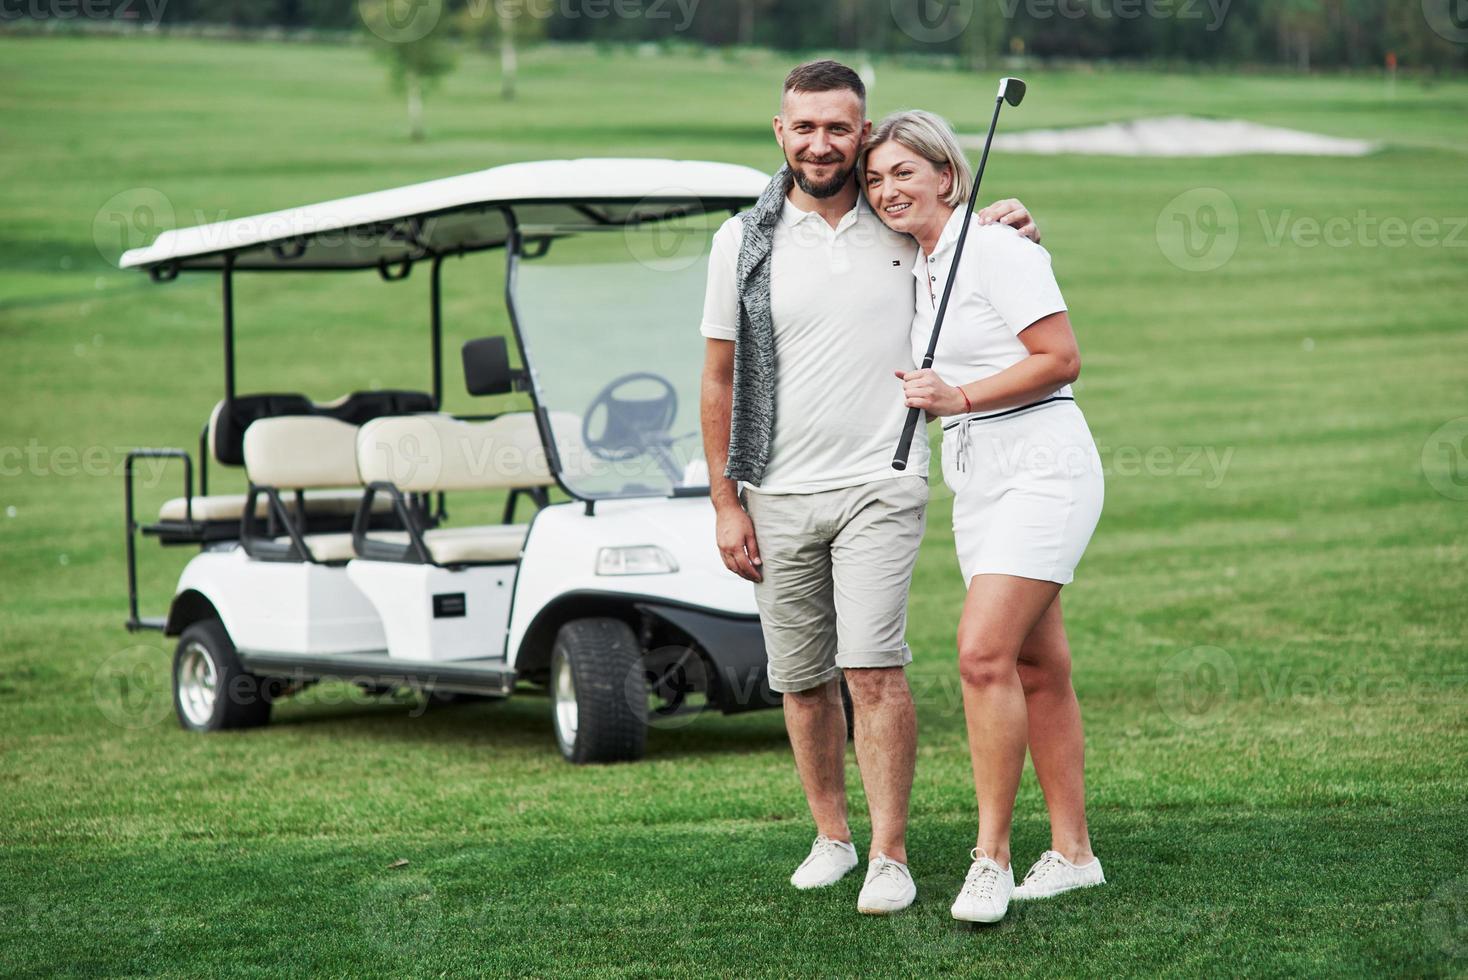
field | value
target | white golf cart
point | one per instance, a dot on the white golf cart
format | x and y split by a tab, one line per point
340	560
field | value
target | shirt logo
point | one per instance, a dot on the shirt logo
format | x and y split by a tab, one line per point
896	263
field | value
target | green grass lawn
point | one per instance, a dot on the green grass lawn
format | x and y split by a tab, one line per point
1269	627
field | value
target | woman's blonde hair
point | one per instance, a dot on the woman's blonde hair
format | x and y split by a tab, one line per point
930	137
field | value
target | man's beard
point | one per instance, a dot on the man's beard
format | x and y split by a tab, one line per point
830	188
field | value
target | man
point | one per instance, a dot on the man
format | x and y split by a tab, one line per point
809	306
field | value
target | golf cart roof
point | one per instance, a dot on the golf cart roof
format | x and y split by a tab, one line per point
468	213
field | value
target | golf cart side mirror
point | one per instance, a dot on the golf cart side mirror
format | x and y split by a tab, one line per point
487	368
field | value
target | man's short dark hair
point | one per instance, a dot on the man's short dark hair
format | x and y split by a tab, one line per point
825	76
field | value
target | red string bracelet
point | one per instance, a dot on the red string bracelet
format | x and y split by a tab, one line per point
968	406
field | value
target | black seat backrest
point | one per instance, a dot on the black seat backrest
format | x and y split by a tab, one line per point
361	407
231	418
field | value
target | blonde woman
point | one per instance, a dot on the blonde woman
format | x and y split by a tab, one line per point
1027	495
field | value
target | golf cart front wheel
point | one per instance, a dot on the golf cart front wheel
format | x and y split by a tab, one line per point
598	693
211	690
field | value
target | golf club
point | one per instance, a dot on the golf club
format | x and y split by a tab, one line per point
1011	90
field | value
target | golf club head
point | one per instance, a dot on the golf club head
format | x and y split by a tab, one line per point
1012	90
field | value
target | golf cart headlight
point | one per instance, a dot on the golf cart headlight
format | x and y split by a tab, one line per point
642	559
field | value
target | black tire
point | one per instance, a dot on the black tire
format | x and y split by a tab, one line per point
603	661
240	699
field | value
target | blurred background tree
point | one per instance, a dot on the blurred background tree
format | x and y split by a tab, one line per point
409	37
1300	34
501	24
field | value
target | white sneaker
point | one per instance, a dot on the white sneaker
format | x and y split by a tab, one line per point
827	863
888	888
1053	874
984	896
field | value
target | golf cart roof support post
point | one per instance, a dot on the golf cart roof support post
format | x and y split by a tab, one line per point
435	316
227	275
542	415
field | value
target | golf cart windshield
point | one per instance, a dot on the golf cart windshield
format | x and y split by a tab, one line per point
609	322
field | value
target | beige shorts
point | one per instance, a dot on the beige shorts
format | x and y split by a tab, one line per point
837	567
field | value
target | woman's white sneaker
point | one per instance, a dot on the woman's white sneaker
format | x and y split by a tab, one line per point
984	896
1053	874
827	863
888	887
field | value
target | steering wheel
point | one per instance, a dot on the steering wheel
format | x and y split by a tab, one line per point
629	427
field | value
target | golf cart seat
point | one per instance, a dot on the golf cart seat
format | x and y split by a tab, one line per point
285	458
424	454
219	515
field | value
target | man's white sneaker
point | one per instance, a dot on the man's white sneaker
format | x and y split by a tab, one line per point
827	863
984	896
888	888
1053	874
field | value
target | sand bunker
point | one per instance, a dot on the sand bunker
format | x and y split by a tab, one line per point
1175	136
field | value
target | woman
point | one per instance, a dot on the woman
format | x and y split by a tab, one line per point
1027	494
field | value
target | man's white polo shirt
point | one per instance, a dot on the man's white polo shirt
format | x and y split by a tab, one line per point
842	300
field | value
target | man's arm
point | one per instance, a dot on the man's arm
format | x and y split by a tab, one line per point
1010	212
735	531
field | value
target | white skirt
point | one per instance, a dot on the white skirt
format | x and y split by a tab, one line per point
1027	492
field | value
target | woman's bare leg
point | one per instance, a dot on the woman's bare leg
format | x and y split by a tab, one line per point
998	615
1057	743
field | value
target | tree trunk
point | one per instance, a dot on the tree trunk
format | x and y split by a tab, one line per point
746	22
509	63
415	107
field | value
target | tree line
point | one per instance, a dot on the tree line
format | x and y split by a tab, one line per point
1305	34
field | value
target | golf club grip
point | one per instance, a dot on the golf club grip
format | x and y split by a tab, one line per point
904	444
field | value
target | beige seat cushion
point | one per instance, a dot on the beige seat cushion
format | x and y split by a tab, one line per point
231	506
453	546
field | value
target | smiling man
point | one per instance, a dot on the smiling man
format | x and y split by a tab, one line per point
809	306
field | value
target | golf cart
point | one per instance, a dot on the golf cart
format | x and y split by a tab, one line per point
340	560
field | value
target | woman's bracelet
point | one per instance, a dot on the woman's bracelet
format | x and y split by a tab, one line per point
968	406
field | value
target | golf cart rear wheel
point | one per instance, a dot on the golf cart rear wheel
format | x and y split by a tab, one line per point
211	690
598	694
